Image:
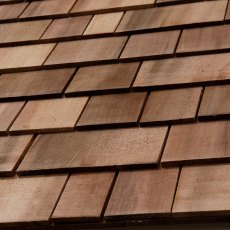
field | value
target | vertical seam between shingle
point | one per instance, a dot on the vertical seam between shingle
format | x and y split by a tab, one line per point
226	10
143	107
135	76
164	144
59	197
50	53
21	158
79	117
199	102
23	10
124	12
69	82
177	43
46	29
69	12
109	193
82	34
176	187
126	42
17	115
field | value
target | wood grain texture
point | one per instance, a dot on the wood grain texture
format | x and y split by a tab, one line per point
215	102
12	149
145	193
67	27
103	23
197	143
177	105
112	110
48	7
12	11
87	51
24	56
171	16
49	115
101	6
184	71
143	46
203	191
8	112
205	39
84	197
103	78
22	31
29	199
91	149
35	83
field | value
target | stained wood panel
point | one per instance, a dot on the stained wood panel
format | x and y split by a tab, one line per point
205	39
95	149
104	23
8	112
35	83
33	202
12	149
215	102
12	11
146	193
103	78
144	46
87	51
49	115
184	71
84	197
24	56
67	27
47	8
203	191
100	6
197	143
22	31
112	110
177	105
171	16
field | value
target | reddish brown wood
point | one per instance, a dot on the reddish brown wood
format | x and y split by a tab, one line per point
84	197
12	150
205	39
8	112
215	102
25	200
36	83
145	193
67	27
112	110
143	46
176	105
49	115
46	8
171	16
87	51
197	143
203	191
24	56
103	78
95	149
184	71
100	6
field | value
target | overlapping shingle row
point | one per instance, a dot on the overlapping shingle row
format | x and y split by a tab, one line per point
113	111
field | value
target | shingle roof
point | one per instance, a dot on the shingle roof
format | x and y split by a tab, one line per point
113	112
